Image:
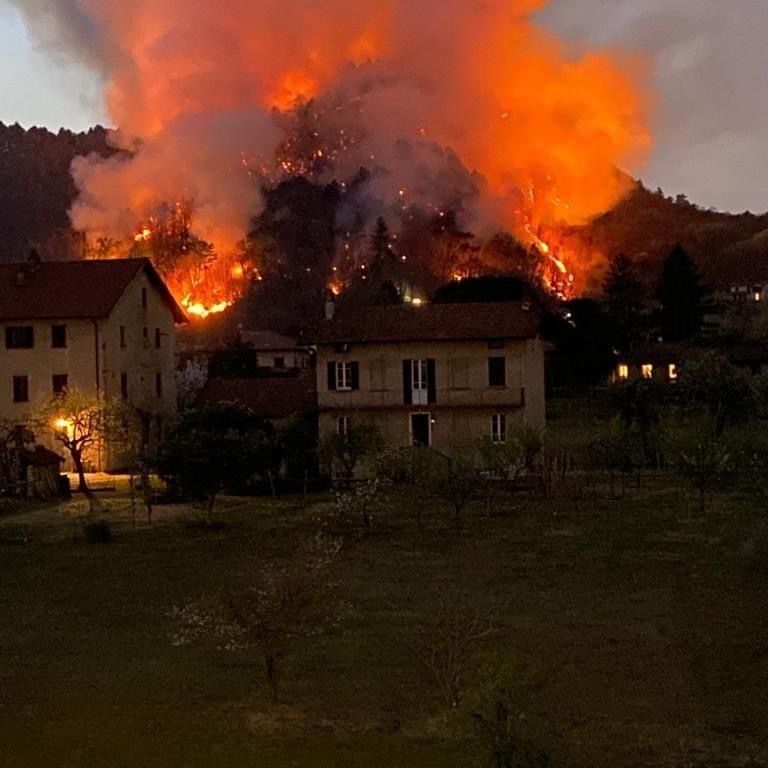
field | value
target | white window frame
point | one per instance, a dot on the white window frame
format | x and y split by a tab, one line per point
419	382
344	377
499	428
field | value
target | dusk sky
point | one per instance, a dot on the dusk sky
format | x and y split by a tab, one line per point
708	61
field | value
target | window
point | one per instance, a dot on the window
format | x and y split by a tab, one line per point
58	336
21	389
419	382
497	371
672	372
144	298
342	426
124	385
158	338
279	362
499	428
159	384
123	337
623	372
647	371
145	334
19	337
343	377
60	383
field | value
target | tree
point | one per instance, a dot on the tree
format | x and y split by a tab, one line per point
288	601
190	381
680	294
723	392
216	448
704	460
448	635
381	248
345	451
82	423
623	297
459	484
486	289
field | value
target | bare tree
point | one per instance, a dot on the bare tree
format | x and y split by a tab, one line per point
447	637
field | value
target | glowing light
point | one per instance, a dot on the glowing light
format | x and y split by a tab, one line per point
198	309
237	272
63	425
417	302
143	235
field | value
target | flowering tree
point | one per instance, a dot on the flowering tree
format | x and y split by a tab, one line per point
289	601
190	381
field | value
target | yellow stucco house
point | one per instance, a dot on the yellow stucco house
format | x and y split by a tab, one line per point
437	375
104	328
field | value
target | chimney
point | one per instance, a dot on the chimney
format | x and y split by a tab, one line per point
330	305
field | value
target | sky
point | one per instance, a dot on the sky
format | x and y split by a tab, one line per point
707	58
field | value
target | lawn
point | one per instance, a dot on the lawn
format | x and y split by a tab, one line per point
631	632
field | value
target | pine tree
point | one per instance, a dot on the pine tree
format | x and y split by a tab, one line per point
680	294
623	297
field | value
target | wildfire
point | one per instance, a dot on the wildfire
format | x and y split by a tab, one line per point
198	309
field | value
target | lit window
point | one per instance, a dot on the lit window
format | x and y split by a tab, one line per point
647	371
623	372
672	370
758	296
499	428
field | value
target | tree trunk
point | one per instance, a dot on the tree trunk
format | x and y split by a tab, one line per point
271	670
77	460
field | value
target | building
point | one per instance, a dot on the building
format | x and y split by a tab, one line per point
275	351
660	362
104	328
439	375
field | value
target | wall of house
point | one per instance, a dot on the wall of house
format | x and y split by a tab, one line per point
292	358
87	342
464	403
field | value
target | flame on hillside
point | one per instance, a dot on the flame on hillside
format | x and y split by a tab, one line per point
501	118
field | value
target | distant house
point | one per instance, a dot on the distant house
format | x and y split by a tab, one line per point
440	375
652	362
273	350
104	328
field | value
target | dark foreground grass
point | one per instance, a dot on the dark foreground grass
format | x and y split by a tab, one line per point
633	633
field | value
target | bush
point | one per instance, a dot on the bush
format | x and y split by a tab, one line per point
98	532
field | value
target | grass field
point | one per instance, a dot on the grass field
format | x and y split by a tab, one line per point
633	633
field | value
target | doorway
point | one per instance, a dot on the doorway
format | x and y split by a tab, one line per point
421	430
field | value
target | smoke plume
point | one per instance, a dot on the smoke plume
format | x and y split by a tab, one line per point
445	95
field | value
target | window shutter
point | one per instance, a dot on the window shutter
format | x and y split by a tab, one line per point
331	377
407	382
431	381
355	375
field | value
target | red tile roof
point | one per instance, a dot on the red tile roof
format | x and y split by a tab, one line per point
270	398
431	322
265	341
68	290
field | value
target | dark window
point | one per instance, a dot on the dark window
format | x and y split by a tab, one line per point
342	426
124	385
158	338
145	334
159	384
279	362
497	371
19	337
123	337
144	298
58	336
496	344
21	389
60	383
